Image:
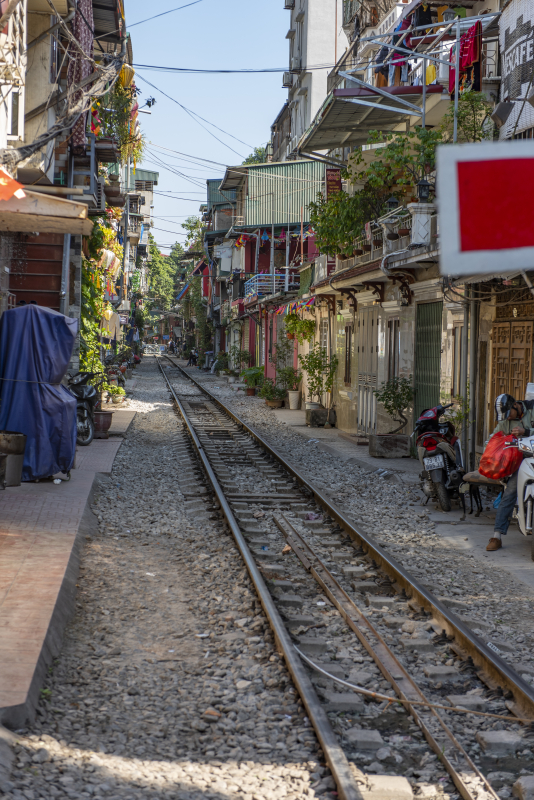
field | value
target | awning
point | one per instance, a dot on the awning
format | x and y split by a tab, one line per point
44	213
199	268
487	276
183	292
343	121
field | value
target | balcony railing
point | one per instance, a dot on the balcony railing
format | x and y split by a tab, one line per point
261	285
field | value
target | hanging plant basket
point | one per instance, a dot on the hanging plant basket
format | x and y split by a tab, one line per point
358	251
404	231
393	237
367	247
290	335
377	242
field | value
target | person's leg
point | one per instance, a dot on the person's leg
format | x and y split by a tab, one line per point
504	512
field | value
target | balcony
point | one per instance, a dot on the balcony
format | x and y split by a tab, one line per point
226	312
262	285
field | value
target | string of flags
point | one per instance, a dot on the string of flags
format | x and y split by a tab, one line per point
297	305
266	237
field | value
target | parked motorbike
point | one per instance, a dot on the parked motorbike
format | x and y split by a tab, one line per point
440	453
525	489
88	401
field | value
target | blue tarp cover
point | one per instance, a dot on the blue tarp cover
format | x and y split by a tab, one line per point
36	344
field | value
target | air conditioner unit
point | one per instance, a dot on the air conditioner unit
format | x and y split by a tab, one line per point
295	64
99	194
287	81
289	4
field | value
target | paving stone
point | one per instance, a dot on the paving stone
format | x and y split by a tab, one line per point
500	742
473	702
290	600
379	601
443	674
386	787
524	788
417	645
343	701
367	587
352	571
393	622
311	646
364	740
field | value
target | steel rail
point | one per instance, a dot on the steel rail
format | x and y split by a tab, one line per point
337	761
448	749
486	659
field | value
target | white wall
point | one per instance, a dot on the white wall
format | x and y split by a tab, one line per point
315	44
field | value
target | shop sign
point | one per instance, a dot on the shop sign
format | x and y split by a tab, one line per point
516	42
165	336
485	207
333	182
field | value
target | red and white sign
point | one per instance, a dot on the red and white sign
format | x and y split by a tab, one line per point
486	201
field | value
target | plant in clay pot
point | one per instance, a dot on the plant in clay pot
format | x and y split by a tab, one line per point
253	376
239	358
320	371
396	394
291	324
272	394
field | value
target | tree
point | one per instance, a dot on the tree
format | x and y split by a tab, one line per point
161	274
259	156
195	233
341	218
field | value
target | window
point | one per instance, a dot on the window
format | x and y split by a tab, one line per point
393	348
348	354
323	334
457	341
14	116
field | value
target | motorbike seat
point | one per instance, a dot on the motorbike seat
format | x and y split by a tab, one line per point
479	480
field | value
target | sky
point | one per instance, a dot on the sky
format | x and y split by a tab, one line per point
211	34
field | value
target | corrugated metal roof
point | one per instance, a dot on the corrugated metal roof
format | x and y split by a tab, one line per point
276	192
143	175
214	195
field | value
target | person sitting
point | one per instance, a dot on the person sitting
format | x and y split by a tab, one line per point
514	417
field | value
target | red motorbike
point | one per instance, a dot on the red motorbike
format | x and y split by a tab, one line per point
440	453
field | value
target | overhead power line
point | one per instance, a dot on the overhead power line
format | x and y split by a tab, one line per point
242	71
163	13
193	114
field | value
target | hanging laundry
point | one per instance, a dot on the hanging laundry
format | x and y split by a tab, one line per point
431	74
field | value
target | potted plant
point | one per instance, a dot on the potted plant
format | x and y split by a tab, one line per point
253	376
291	324
272	394
239	359
221	365
396	394
290	378
320	371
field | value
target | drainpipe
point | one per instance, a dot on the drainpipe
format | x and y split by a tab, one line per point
463	376
64	300
473	339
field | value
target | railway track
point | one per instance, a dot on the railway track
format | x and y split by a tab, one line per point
304	554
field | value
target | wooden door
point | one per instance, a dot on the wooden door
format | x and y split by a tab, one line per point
367	368
511	360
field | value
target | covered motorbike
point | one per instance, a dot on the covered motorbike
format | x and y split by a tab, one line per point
36	345
440	453
525	488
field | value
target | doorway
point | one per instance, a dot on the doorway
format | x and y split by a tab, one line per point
428	325
511	359
367	368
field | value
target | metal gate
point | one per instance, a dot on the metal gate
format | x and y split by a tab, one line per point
367	349
428	325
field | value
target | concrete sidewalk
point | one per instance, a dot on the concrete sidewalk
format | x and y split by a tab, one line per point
340	445
42	530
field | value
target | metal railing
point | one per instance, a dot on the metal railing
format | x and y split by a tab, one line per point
262	285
